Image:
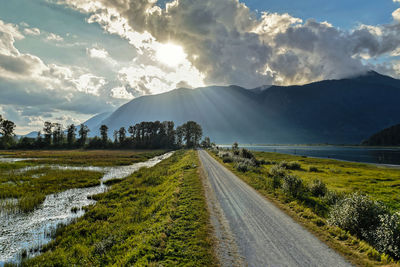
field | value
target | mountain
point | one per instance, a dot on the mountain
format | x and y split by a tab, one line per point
33	134
387	137
95	122
344	111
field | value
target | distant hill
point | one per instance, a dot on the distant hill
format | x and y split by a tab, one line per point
387	137
344	111
95	122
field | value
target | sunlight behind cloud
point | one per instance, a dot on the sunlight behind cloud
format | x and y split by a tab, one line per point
170	54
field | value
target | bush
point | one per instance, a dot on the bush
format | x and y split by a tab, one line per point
313	169
318	188
242	167
357	214
292	185
276	182
293	165
332	197
244	153
227	159
387	235
277	171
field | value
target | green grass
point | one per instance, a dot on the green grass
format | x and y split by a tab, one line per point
346	177
155	217
85	157
381	183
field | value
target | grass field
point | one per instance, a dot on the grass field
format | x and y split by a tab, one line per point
155	217
30	187
101	158
381	183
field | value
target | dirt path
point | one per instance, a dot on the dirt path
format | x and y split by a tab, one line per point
261	234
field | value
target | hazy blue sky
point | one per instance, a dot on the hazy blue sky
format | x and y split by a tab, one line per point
66	60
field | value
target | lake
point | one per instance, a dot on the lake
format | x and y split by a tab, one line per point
390	156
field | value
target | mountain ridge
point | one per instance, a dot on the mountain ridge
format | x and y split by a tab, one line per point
342	111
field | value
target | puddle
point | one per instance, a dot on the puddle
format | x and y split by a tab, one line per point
27	232
10	160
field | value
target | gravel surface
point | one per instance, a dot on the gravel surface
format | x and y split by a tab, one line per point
264	235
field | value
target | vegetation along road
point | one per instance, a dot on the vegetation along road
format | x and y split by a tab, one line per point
263	234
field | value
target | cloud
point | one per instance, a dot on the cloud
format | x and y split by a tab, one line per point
32	31
228	44
54	37
121	92
31	89
97	53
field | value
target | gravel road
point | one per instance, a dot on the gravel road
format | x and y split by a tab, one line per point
263	234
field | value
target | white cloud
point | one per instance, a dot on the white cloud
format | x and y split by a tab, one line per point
228	44
54	37
121	92
396	14
97	53
32	31
90	84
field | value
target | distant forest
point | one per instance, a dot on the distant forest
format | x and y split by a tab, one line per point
387	137
143	135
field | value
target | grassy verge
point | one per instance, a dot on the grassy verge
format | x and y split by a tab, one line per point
85	157
155	217
311	211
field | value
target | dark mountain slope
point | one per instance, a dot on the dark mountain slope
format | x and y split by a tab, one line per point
387	137
332	111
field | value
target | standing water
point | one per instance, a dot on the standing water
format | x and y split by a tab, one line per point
25	233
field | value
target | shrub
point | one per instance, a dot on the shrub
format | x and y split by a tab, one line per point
318	188
242	167
227	159
293	165
387	235
244	153
313	169
277	171
332	197
292	185
276	182
357	214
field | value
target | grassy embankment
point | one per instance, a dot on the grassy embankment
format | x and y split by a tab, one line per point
100	158
30	187
381	183
155	217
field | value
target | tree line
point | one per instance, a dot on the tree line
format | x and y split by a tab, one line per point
143	135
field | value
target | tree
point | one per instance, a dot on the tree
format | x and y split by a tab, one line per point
235	146
58	134
121	135
179	136
104	134
83	133
115	137
206	143
192	133
71	135
7	131
47	130
39	140
7	128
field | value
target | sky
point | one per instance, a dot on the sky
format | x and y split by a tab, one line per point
67	60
